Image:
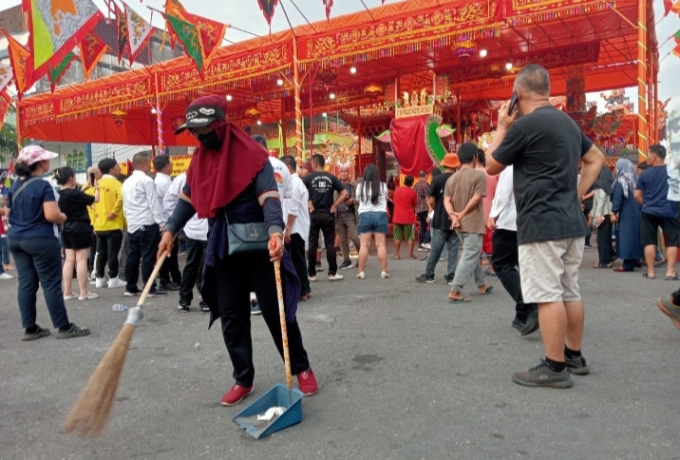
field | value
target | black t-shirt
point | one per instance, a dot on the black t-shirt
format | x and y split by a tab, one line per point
321	186
74	203
441	220
545	148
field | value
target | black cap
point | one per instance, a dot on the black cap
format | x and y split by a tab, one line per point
201	115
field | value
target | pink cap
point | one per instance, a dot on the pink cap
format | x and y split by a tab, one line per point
35	153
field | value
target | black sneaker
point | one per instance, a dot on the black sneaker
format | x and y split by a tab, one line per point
183	306
157	293
577	366
35	335
541	376
345	265
449	279
204	307
425	279
73	331
531	324
168	286
518	324
319	267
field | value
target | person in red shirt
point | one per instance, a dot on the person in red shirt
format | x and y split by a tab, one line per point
404	219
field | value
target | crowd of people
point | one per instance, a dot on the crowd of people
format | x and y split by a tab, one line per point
523	212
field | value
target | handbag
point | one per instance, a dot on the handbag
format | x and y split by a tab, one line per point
247	238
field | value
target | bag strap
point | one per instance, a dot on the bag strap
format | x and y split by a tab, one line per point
23	187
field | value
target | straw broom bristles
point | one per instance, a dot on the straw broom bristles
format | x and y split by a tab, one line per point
92	410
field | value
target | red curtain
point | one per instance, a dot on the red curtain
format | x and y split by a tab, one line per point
409	145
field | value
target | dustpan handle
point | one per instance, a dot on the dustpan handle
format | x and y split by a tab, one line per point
284	328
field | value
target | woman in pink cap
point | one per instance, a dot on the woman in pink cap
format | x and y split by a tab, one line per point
33	215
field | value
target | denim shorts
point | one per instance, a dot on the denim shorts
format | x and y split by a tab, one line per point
373	222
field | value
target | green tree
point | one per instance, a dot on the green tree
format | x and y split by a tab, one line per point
8	141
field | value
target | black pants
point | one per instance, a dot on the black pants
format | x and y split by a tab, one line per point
170	269
235	278
505	261
108	247
93	251
296	248
324	222
142	245
191	276
604	241
424	234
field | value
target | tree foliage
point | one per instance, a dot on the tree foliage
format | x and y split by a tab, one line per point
8	141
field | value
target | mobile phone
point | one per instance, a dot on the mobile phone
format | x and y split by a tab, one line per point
92	179
513	102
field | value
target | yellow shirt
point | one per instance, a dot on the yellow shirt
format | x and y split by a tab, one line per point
110	202
87	190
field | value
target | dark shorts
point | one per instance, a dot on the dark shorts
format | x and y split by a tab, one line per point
373	222
76	241
648	230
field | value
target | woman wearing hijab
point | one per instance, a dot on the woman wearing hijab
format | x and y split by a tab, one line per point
626	211
602	208
230	181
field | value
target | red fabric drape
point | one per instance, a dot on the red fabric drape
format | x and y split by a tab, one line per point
409	145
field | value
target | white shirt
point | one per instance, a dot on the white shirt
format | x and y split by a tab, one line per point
195	229
163	182
503	206
297	205
368	206
283	182
140	202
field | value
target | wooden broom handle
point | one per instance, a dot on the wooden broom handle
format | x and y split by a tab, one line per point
151	280
284	328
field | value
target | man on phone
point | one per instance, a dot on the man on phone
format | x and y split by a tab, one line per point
545	147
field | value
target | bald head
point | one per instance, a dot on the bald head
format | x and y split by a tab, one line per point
533	79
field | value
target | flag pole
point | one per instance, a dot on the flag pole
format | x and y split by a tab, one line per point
643	141
20	141
159	116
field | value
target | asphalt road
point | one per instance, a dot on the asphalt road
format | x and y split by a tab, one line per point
402	374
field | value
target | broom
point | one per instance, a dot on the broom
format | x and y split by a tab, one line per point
92	410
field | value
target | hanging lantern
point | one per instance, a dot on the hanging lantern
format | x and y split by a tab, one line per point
253	112
118	117
373	90
464	49
496	70
327	75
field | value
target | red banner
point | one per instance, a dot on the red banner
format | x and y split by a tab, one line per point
5	103
437	24
92	49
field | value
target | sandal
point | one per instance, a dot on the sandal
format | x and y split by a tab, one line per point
621	270
70	297
489	290
90	296
412	257
461	300
396	258
603	266
672	278
648	276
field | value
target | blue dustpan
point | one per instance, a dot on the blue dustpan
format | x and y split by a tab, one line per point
277	396
283	396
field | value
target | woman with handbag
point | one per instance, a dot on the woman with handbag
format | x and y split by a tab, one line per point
231	183
33	215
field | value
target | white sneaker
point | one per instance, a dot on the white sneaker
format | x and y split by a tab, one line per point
116	283
335	277
361	275
313	279
6	276
384	275
100	283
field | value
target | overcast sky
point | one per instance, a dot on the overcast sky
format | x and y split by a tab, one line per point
246	14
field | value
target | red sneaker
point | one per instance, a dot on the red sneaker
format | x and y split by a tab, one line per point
307	382
236	395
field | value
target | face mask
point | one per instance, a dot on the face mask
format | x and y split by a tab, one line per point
210	141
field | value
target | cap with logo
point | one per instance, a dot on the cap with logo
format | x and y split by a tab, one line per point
200	115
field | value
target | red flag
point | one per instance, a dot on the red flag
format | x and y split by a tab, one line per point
676	8
130	167
10	168
667	7
676	51
92	49
22	64
329	5
210	32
